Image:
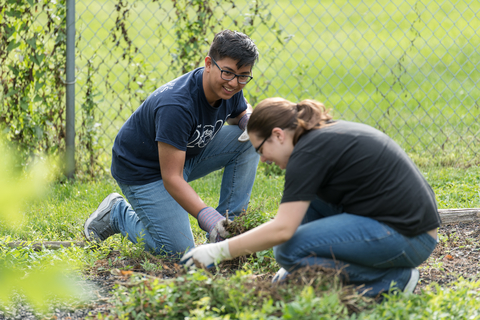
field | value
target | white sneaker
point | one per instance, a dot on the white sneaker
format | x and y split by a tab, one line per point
280	275
412	282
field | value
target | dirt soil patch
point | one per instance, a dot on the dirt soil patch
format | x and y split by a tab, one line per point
457	255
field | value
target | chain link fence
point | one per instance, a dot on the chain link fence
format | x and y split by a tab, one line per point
408	68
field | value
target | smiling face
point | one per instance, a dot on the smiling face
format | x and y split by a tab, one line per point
215	87
276	148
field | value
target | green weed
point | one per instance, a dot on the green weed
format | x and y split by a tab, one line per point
460	300
198	294
61	214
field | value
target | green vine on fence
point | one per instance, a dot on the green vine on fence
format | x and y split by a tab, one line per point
88	131
32	64
33	58
400	69
195	19
32	79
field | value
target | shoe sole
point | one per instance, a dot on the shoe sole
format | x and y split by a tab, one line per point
412	282
106	204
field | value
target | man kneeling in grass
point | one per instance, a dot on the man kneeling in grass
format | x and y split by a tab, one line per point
178	135
353	199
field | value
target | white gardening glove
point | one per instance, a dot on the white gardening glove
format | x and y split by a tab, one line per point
207	255
244	136
211	221
280	276
242	124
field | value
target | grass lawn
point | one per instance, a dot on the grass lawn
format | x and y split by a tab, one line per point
409	68
60	216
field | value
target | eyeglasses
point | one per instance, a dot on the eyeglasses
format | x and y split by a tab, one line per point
229	76
257	149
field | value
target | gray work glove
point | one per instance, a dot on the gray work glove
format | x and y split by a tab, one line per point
211	221
219	232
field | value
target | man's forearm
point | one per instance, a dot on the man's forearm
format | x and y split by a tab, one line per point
236	120
184	194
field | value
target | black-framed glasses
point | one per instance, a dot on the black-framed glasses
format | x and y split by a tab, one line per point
257	149
229	76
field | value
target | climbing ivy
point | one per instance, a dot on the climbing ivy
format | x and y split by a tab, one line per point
32	67
33	58
196	20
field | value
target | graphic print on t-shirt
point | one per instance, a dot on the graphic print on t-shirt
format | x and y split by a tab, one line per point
165	87
203	137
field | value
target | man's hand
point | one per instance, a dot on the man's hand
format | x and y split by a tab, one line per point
242	124
219	233
207	255
211	221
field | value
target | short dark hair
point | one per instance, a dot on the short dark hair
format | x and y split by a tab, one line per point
234	45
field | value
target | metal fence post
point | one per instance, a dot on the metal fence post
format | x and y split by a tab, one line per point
70	91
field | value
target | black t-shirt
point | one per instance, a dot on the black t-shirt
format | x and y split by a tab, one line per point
364	171
177	113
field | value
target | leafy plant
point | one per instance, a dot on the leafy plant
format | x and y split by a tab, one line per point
32	63
32	83
271	170
88	131
198	294
263	261
247	220
22	270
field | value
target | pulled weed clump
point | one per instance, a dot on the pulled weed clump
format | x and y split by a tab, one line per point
246	221
199	294
261	261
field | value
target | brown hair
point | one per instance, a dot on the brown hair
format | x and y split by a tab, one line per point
278	112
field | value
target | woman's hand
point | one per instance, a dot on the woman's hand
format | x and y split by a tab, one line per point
207	255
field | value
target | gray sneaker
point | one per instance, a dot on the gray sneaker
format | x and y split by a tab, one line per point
97	227
412	282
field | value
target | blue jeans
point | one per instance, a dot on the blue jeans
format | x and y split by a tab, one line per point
152	214
368	251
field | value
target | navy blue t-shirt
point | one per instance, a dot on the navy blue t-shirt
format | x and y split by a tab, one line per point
177	113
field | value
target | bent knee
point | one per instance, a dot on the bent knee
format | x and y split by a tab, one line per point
173	250
284	257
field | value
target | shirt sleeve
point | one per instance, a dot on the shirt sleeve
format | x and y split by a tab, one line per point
240	105
173	125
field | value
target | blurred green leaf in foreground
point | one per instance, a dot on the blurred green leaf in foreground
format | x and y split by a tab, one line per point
35	277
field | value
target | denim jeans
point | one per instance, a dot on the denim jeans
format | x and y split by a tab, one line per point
368	251
152	214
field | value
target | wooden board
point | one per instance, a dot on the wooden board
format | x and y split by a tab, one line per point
54	245
450	216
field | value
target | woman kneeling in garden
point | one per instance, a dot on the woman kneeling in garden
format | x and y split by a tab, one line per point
352	199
